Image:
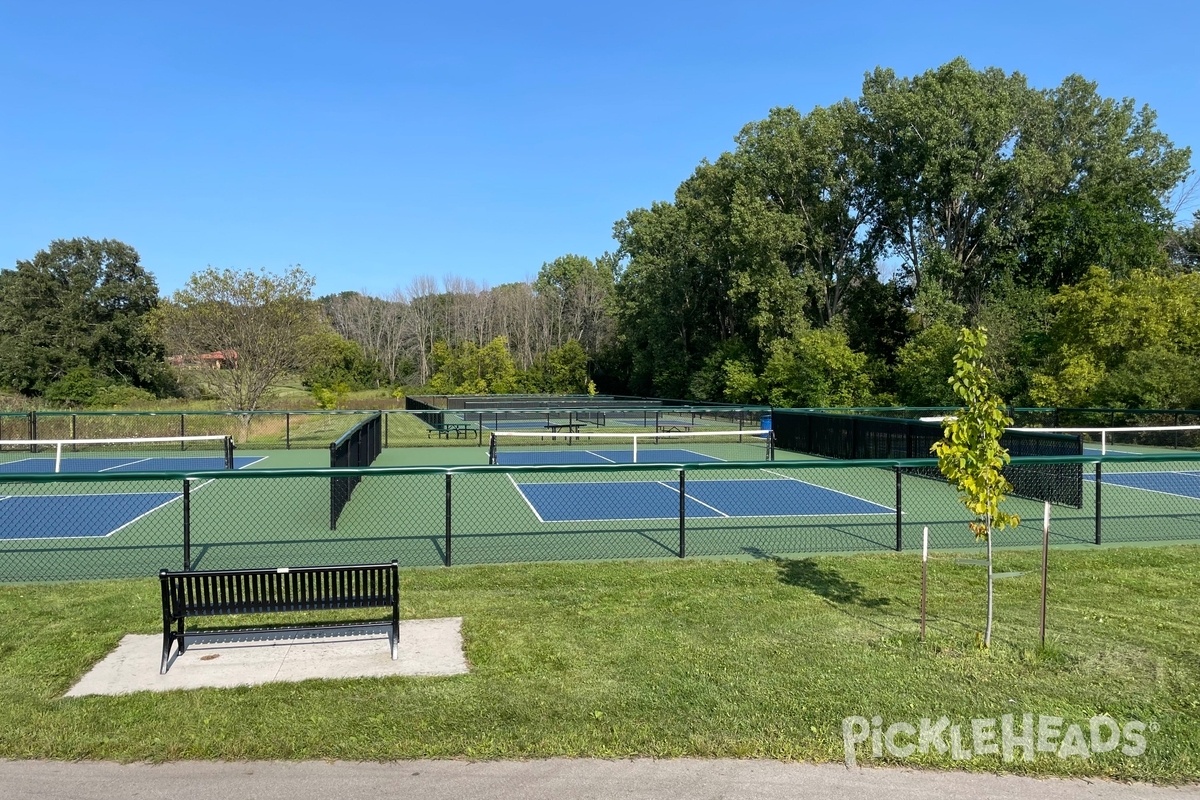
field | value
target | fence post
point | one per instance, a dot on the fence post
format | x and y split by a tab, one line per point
899	512
1098	502
682	515
187	524
287	429
182	427
386	436
448	517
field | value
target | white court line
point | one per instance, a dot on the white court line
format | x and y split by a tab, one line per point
675	489
529	503
826	488
1144	489
126	464
252	463
597	455
139	516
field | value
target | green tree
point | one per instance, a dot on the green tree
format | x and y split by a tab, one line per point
258	320
330	359
1183	246
970	455
80	304
802	206
924	366
1101	175
1129	341
468	368
816	368
946	168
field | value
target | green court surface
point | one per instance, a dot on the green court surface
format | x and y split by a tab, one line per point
244	519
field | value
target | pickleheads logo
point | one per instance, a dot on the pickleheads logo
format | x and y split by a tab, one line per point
1009	737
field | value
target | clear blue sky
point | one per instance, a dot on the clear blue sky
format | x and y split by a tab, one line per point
372	142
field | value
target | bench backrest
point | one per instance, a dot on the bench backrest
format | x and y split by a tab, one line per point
253	591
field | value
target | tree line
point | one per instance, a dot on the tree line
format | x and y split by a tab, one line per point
828	259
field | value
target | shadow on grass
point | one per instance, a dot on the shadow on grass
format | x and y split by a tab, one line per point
825	582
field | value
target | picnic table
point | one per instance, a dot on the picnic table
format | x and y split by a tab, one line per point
569	427
459	430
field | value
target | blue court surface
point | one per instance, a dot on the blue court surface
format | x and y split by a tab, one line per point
1180	484
41	465
644	500
76	515
68	516
520	458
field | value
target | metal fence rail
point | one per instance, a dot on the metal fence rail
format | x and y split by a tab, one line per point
71	527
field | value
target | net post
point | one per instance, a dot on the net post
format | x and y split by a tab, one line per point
635	441
1098	482
899	511
682	515
187	524
58	456
228	444
492	449
448	519
771	444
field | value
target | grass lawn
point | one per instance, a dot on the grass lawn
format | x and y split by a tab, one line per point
752	658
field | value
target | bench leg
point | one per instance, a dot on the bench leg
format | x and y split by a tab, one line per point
166	650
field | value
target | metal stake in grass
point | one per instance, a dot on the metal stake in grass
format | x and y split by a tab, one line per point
924	575
1045	561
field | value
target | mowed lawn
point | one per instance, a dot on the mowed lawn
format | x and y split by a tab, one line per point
758	658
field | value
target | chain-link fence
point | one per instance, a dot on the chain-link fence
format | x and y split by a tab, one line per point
71	526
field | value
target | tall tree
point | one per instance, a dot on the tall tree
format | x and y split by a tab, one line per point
81	303
256	319
1099	185
947	169
802	190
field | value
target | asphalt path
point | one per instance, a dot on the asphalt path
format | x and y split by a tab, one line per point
557	779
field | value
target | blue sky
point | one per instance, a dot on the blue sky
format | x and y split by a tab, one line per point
374	142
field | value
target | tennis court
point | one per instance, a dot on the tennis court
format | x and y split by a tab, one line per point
1184	483
93	509
96	464
608	501
566	495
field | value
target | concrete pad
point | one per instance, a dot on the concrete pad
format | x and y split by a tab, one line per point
427	647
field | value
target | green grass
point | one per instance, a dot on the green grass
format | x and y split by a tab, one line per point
749	659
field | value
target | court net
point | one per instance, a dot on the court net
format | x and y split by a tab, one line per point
1129	440
145	454
588	447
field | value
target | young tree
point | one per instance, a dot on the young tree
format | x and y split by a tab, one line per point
257	320
970	455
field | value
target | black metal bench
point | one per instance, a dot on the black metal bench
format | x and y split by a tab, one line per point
224	592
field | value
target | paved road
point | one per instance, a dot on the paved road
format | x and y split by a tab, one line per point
553	779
